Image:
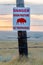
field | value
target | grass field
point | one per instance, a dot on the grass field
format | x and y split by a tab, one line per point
9	54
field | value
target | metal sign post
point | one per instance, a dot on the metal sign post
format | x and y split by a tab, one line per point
22	35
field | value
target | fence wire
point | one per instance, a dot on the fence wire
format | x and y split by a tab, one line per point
21	48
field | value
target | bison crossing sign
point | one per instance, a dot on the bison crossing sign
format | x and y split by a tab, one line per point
21	18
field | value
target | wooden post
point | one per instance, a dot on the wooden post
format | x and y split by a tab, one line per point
19	3
22	35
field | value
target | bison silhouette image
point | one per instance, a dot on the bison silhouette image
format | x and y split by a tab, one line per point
21	20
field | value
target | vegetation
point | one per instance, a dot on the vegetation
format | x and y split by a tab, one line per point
11	56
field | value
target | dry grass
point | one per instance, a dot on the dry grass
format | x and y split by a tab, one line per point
35	55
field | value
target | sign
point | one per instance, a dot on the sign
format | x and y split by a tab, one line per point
21	18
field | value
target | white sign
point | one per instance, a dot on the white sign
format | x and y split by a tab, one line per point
21	18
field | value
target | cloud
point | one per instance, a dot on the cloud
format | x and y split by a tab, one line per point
8	9
37	10
7	1
26	1
34	1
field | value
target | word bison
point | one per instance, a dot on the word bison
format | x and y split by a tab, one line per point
21	20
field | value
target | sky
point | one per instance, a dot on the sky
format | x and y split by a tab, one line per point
36	15
35	1
14	1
